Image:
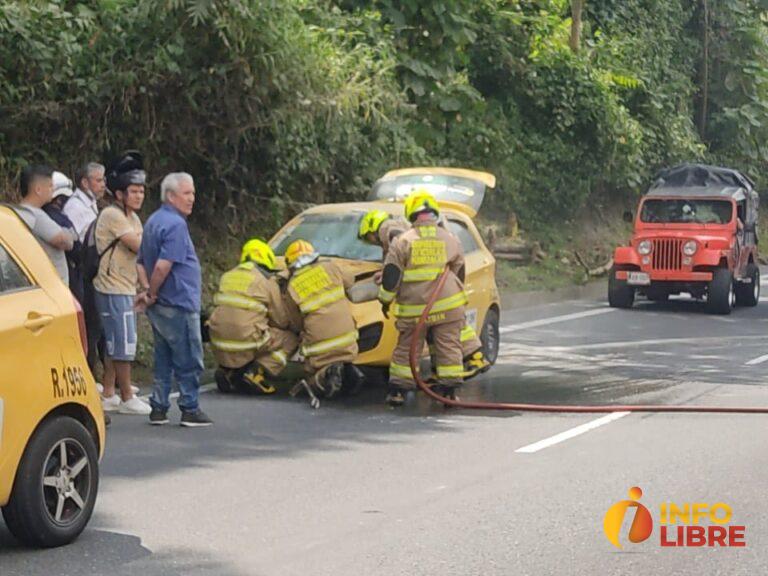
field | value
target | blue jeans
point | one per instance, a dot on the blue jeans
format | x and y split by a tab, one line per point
179	354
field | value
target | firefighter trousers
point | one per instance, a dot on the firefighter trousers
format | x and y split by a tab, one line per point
282	345
448	354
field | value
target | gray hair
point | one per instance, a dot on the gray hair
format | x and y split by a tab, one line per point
86	170
171	183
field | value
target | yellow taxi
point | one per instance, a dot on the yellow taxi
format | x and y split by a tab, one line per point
333	231
51	422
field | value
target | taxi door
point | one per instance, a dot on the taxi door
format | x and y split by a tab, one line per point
29	357
479	273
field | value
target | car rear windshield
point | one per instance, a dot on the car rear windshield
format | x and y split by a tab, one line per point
331	235
686	211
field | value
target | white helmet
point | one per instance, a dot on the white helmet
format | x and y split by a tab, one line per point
62	186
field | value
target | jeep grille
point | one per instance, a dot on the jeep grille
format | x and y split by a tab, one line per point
667	254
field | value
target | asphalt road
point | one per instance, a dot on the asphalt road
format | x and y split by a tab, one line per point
355	488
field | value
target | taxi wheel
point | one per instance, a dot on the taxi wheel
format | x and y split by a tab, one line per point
489	336
56	485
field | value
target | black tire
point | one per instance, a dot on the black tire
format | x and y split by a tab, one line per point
620	294
489	336
722	297
748	294
34	514
222	382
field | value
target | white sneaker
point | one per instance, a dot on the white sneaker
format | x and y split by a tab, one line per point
111	404
135	406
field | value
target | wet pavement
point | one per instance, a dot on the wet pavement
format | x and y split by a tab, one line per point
276	488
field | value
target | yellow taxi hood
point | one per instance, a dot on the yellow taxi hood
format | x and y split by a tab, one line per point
457	188
357	267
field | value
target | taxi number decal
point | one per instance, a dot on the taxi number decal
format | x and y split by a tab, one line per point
425	252
69	383
311	281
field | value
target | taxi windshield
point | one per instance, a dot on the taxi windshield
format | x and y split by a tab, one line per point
332	235
686	211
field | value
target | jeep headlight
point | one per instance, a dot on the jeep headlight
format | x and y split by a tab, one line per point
644	248
690	247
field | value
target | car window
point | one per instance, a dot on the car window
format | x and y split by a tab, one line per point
331	235
686	211
11	275
468	242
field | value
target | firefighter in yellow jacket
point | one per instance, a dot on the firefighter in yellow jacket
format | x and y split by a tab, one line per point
250	326
320	310
381	229
413	265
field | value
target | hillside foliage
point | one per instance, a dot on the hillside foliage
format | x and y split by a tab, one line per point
275	103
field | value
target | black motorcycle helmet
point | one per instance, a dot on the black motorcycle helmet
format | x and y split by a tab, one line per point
126	169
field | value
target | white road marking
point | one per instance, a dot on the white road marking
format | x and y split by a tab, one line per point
572	433
637	343
554	320
758	360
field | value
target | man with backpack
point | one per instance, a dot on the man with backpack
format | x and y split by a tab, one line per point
117	233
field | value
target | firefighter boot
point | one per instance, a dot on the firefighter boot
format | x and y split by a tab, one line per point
223	377
475	364
395	397
255	380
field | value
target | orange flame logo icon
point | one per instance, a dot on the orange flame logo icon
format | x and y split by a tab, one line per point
642	524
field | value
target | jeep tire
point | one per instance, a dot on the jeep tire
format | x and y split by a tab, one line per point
721	297
620	294
748	294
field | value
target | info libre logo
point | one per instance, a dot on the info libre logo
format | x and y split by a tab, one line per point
691	525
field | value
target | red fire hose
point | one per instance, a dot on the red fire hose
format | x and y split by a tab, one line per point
415	355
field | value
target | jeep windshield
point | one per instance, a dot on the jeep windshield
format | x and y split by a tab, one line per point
333	235
686	211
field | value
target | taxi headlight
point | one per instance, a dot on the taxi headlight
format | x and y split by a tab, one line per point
645	247
690	247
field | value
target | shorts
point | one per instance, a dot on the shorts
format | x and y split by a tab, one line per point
118	323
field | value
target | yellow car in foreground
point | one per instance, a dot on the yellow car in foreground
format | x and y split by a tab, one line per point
332	230
51	421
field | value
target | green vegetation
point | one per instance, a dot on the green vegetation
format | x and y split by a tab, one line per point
274	103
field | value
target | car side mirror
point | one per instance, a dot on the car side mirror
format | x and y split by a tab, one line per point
628	217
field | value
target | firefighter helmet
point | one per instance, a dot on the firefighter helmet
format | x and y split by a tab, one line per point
371	222
300	253
420	201
259	252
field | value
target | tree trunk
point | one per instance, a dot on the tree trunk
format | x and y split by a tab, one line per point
704	111
577	6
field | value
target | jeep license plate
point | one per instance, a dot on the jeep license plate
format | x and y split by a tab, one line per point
638	278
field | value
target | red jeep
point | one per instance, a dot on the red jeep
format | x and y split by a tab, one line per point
695	233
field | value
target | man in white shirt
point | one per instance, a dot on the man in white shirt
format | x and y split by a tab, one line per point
82	208
37	191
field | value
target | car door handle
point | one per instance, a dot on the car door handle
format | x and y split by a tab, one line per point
37	321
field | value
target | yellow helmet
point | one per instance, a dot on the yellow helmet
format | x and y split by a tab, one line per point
420	201
258	251
371	222
300	253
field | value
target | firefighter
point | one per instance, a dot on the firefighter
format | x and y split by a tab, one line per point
381	228
413	265
321	312
250	325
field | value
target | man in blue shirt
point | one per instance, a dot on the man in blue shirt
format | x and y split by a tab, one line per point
169	272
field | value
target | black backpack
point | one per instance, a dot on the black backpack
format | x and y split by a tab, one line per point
90	258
